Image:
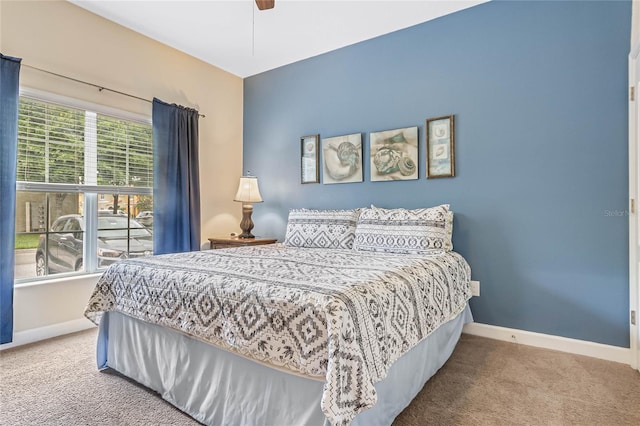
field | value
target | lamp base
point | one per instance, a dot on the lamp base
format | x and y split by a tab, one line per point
246	224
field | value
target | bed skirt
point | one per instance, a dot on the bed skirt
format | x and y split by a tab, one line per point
217	387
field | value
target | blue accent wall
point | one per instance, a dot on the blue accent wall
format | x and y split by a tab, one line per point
539	93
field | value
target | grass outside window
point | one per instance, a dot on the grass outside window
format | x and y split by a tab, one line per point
27	241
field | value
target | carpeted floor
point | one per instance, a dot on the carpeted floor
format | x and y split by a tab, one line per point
486	382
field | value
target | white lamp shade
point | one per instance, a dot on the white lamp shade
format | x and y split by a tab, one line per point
248	191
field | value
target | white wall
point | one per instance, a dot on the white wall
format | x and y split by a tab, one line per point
63	38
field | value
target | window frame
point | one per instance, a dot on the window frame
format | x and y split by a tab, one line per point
90	191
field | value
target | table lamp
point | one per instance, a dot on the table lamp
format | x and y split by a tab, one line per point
248	193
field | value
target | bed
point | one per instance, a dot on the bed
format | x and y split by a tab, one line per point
285	334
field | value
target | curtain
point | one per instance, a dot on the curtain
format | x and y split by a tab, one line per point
176	185
9	82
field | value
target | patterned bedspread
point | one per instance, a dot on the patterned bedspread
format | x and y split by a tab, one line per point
343	315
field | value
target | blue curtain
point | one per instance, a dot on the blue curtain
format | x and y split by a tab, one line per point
176	185
9	83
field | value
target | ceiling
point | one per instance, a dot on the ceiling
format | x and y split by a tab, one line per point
237	37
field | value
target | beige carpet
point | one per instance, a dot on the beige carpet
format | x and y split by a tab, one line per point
486	382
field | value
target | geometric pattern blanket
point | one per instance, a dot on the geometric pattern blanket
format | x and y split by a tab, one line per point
338	314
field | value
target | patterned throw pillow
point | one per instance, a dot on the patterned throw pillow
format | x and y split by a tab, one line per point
418	231
321	228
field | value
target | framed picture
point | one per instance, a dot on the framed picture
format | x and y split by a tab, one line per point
342	159
394	154
309	165
440	147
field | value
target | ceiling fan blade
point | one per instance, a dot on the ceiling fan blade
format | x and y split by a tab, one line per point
265	4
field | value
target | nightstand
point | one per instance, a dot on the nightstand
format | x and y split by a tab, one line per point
228	242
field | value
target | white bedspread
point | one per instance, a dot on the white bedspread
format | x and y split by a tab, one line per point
342	315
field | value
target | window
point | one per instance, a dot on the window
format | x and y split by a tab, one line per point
84	175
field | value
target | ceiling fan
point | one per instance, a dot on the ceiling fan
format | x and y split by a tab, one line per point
265	4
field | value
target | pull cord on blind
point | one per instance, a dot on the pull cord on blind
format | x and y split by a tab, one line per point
97	86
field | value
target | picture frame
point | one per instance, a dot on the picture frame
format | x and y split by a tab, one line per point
394	154
309	160
342	159
440	141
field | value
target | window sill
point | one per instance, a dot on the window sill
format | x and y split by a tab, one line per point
56	280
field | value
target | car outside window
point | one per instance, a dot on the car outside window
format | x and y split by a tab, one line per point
58	226
73	227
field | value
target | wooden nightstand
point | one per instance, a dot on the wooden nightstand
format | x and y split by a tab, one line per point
228	242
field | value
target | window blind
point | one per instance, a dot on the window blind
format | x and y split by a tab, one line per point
50	143
124	153
76	149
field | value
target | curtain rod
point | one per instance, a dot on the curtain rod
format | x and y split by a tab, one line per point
100	88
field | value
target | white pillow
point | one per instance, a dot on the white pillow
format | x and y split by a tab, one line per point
321	228
417	231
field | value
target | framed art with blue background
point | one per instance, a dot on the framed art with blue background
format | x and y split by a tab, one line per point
440	147
309	170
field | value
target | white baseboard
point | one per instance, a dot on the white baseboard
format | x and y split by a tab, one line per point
548	341
35	334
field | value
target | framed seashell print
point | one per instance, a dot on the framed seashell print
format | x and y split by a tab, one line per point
342	159
440	147
394	154
309	169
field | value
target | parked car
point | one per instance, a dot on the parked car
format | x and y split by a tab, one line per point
65	247
145	218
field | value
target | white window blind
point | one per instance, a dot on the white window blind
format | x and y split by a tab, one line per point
50	143
124	153
73	147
